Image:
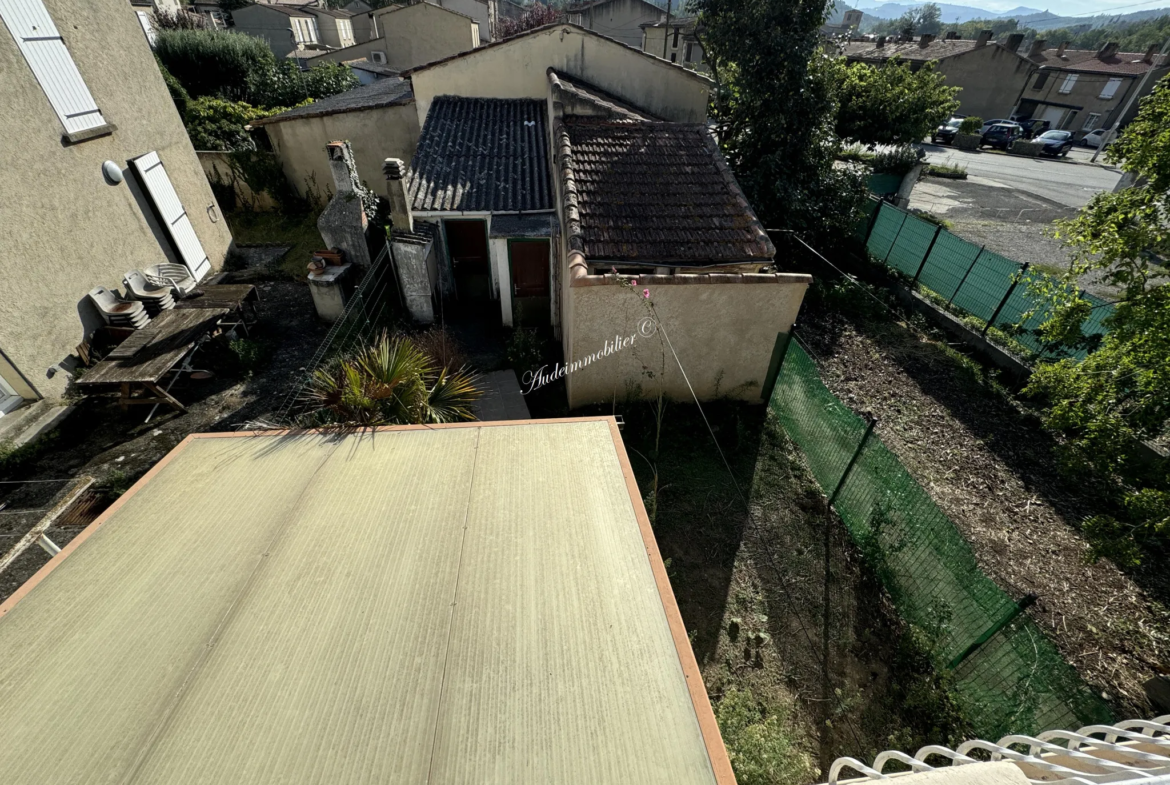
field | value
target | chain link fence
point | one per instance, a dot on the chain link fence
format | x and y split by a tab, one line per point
971	279
1007	675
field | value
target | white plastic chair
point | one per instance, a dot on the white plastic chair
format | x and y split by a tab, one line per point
139	288
117	311
174	276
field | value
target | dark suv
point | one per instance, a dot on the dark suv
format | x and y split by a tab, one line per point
1000	136
946	132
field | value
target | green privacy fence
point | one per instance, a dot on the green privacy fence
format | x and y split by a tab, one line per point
1007	675
970	278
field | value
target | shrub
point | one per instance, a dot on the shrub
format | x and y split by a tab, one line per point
215	62
525	349
898	159
971	125
761	748
287	85
217	124
178	94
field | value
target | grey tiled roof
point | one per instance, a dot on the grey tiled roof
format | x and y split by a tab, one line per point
654	192
536	225
482	155
384	92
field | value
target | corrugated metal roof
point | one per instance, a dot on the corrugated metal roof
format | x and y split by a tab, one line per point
442	604
482	155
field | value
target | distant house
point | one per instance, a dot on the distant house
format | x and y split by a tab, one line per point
676	42
334	28
361	20
1082	90
990	74
408	36
83	100
285	28
620	20
213	15
369	72
547	161
482	11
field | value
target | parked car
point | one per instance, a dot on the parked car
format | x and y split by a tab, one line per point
945	133
1094	138
990	123
1034	128
1001	136
1055	142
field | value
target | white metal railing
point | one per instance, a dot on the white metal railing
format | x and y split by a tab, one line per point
1136	751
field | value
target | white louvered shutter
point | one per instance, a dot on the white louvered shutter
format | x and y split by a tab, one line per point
147	27
170	209
1110	88
44	50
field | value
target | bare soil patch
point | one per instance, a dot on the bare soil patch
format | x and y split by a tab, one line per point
987	462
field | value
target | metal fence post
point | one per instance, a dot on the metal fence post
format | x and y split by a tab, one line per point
925	256
853	460
890	250
963	280
1004	621
1003	302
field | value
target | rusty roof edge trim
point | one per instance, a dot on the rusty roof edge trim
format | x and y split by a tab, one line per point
26	587
705	81
700	702
764	242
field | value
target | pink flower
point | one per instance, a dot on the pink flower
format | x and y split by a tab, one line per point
634	282
646	293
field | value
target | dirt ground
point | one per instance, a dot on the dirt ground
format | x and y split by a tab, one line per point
116	447
990	466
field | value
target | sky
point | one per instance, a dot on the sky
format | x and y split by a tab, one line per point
1061	8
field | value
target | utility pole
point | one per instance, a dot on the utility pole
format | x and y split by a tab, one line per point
666	30
1108	137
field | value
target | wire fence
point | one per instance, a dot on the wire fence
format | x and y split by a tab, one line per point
971	279
1007	675
371	308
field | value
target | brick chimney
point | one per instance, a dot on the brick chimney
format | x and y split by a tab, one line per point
1013	41
1060	49
924	40
1107	51
400	215
983	38
880	42
1149	58
1038	46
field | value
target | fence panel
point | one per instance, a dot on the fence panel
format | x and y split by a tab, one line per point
987	284
1017	681
884	231
913	243
949	261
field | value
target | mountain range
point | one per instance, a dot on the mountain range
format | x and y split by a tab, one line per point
950	13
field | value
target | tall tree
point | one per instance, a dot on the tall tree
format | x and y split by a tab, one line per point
1120	394
890	103
773	109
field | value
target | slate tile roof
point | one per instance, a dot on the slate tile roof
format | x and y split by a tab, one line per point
384	92
482	155
654	192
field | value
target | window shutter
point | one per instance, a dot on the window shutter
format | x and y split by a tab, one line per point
51	64
1110	88
1069	81
147	27
174	217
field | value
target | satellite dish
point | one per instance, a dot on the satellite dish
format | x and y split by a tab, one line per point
113	172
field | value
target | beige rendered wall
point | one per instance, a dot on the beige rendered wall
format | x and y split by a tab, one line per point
64	229
991	78
373	134
476	9
517	69
219	171
418	34
723	327
619	20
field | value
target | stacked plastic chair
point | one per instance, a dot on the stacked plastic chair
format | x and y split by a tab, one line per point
175	277
156	298
119	312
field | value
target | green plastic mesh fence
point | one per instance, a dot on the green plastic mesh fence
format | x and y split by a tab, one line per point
1016	682
972	279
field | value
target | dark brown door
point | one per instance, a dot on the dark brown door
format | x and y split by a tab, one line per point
468	246
530	287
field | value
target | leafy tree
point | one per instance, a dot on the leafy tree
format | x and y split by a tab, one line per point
538	15
217	124
923	19
287	85
215	62
178	94
773	109
890	103
1121	393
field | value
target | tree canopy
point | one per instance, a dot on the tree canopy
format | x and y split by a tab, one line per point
773	109
1120	394
925	18
890	103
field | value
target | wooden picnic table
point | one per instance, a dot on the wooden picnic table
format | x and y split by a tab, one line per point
141	361
221	295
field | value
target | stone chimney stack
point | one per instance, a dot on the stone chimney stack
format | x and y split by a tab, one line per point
880	42
983	38
1060	49
1107	51
1038	46
924	40
1149	58
400	215
1013	41
341	166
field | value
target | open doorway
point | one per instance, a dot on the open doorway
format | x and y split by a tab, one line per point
467	245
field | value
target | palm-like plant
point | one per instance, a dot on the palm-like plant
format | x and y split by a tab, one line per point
388	382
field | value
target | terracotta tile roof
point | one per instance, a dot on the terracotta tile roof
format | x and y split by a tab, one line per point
384	92
654	192
1086	60
909	50
482	155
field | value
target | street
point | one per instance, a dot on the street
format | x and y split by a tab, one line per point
1070	182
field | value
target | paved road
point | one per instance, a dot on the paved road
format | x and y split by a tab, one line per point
1070	182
